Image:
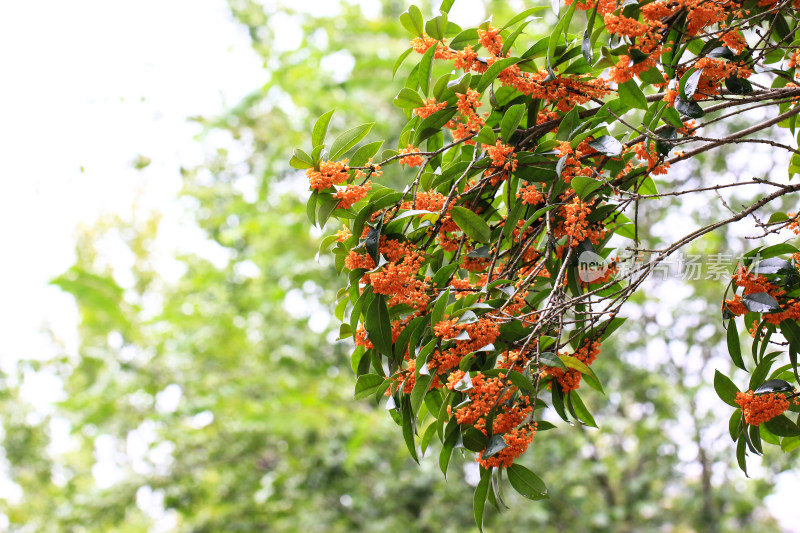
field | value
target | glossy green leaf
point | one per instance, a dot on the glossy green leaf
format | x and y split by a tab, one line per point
301	160
412	21
321	128
782	426
471	224
425	68
366	385
511	119
725	388
408	99
761	302
526	482
492	72
607	145
479	498
734	346
581	411
466	38
348	139
378	325
689	108
585	186
436	27
365	153
631	95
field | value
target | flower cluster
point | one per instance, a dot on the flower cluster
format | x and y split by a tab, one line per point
329	174
411	160
754	283
761	408
570	379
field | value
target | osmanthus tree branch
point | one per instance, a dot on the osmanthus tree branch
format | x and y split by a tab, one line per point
734	136
471	291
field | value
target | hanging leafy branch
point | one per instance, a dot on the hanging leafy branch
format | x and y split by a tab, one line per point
480	294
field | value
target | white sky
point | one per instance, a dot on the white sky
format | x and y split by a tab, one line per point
85	87
90	84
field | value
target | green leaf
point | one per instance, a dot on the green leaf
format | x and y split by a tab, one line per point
511	119
427	436
364	153
412	21
607	145
741	455
425	67
471	224
791	331
446	5
301	160
631	95
486	136
372	241
689	108
437	313
688	84
581	411
419	391
366	385
761	302
348	139
400	61
495	444
327	205
526	482
568	124
479	498
774	265
552	360
378	325
735	424
311	208
460	84
738	85
408	431
734	346
520	381
436	27
431	125
586	42
584	186
447	449
474	440
723	52
774	385
725	388
464	39
408	99
556	36
321	128
575	364
789	444
443	274
492	72
509	41
782	426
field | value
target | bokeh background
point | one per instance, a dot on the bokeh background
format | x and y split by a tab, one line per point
168	358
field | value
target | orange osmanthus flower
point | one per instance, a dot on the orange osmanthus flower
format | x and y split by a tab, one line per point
761	408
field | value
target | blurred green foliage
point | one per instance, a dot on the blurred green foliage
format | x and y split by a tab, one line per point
265	435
